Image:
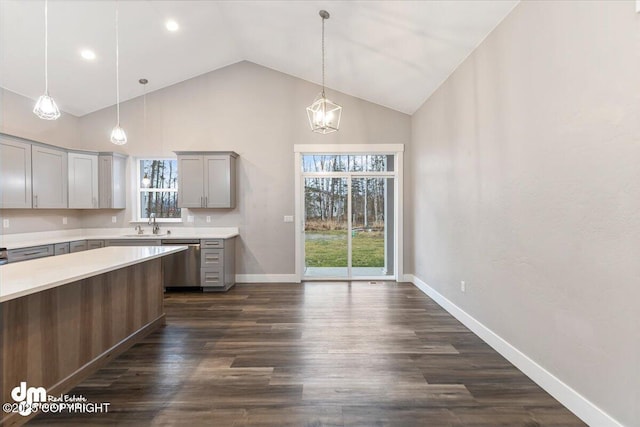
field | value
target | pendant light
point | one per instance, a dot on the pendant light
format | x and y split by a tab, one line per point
146	182
324	115
118	136
46	107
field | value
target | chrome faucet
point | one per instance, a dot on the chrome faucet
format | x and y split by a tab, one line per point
152	221
139	229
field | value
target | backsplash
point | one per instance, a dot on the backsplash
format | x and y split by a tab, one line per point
34	220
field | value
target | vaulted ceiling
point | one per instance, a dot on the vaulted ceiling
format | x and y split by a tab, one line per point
393	53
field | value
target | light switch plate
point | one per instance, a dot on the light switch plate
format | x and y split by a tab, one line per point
288	218
189	218
114	219
208	218
64	220
5	223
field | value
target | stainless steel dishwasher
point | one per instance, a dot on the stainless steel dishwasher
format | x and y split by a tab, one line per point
182	269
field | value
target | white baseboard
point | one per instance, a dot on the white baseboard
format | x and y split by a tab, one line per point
266	278
576	403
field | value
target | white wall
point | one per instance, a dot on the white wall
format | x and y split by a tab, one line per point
260	114
526	184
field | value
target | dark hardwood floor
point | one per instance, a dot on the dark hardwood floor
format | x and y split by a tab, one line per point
317	354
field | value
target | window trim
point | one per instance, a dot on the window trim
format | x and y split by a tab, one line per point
136	217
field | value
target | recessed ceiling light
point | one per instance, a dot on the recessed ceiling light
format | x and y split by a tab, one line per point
172	25
88	54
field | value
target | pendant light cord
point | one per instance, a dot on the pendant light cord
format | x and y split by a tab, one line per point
117	69
323	57
46	49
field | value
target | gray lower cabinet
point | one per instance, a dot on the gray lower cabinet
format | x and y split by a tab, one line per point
217	264
61	248
132	242
25	254
77	246
95	244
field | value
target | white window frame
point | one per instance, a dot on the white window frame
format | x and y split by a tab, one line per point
397	150
140	189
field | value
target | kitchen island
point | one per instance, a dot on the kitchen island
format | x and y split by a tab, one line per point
63	317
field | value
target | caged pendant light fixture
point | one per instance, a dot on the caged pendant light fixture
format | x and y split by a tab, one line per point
118	136
46	107
324	114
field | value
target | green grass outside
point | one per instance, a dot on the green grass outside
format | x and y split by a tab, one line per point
368	249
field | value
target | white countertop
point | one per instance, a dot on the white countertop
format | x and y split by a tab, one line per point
29	277
26	240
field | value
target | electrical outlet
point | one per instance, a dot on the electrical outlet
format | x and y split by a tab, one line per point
5	223
64	220
208	218
288	218
114	219
189	218
463	286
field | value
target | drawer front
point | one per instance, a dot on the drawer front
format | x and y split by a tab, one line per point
95	244
211	277
25	254
61	248
212	243
78	246
212	258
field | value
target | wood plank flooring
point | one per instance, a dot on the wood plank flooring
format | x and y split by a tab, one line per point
317	354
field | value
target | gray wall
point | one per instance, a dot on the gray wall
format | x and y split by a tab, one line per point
260	114
526	184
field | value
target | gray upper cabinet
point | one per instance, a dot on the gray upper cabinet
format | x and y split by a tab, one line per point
15	173
207	179
112	180
190	181
83	181
49	177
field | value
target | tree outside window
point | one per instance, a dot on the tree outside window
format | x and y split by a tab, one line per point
158	189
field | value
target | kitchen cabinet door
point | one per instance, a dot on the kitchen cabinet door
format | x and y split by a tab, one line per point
112	181
50	177
219	183
190	181
15	174
83	181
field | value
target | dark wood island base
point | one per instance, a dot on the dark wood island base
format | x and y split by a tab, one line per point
56	338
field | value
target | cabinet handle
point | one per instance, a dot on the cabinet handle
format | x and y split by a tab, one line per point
206	201
31	253
202	202
36	201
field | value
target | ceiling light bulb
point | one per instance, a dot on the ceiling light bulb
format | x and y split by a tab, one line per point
87	54
172	25
118	136
46	108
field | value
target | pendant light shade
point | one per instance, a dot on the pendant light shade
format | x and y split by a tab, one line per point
324	114
118	135
46	107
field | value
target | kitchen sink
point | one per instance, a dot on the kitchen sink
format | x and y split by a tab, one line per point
148	236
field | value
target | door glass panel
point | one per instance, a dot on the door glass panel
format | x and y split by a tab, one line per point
372	217
326	227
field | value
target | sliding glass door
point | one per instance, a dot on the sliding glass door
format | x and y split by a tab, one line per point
348	223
